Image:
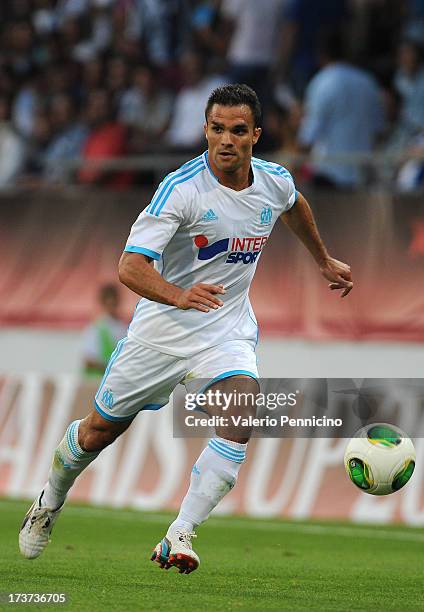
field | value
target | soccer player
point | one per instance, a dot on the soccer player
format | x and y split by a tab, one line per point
205	229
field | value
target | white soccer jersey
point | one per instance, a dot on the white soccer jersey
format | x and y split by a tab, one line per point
199	231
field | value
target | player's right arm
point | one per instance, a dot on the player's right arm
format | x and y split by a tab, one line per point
136	273
149	236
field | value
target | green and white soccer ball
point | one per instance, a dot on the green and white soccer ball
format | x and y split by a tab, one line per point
380	459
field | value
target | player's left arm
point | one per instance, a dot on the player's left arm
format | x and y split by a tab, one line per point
300	220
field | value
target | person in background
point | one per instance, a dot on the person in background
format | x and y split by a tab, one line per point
26	103
146	108
252	31
37	146
67	140
343	116
409	83
281	126
304	22
207	31
12	147
185	132
107	139
101	336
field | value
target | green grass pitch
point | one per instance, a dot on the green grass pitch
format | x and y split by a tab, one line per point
99	557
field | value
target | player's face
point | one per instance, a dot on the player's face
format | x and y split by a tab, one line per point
231	134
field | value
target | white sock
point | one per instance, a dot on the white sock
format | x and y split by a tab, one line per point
213	475
69	461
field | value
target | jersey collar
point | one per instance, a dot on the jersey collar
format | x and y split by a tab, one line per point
248	189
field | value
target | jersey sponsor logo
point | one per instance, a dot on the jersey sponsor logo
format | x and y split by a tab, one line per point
207	251
242	250
266	215
210	216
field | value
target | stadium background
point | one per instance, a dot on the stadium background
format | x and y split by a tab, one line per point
80	157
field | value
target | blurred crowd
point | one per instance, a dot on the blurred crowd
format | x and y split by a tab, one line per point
105	79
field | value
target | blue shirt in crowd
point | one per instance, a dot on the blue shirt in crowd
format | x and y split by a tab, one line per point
343	115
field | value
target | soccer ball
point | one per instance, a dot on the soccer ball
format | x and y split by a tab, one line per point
380	459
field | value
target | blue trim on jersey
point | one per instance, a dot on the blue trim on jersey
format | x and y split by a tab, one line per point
168	184
143	251
268	171
272	166
183	169
176	182
109	417
209	166
190	162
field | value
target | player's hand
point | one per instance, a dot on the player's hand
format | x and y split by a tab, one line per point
201	297
339	274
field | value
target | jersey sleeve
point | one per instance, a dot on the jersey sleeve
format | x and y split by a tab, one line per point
287	191
157	223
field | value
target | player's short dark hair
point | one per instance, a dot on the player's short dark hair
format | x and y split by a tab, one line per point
235	95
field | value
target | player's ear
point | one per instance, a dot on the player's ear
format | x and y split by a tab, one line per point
256	134
205	127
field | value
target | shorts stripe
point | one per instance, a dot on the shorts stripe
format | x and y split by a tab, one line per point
109	417
227	375
112	359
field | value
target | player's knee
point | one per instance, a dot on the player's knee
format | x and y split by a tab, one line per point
95	433
94	439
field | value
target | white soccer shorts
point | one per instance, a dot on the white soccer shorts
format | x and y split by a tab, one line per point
140	378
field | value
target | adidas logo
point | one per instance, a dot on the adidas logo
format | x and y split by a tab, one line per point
210	216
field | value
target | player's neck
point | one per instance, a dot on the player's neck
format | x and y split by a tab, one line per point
238	180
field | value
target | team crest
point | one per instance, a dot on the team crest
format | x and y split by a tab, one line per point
107	398
266	215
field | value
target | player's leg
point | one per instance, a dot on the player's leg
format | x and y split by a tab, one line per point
213	476
136	378
216	470
229	367
81	444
